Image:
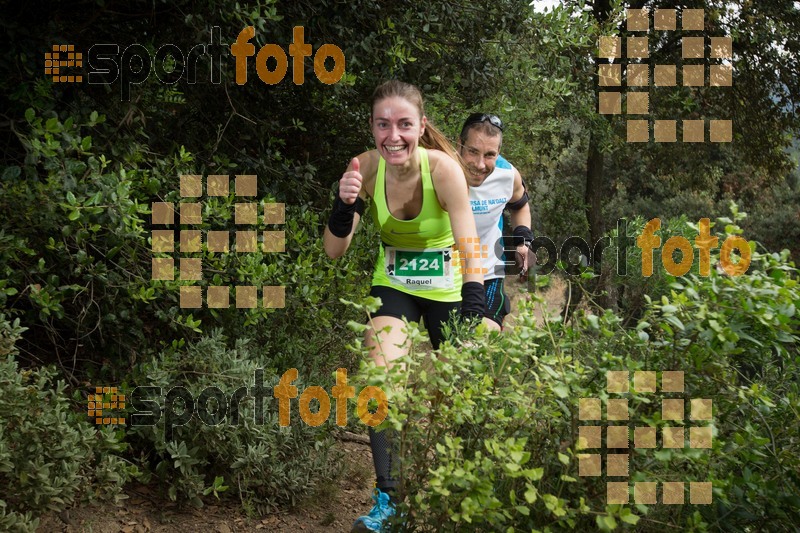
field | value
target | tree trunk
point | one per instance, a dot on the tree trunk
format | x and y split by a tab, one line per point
594	161
593	196
594	192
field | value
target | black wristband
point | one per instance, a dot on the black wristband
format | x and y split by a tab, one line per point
473	300
522	235
341	220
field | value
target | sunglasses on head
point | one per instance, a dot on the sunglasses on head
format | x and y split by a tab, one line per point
477	118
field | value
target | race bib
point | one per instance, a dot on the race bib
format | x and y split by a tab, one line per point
420	269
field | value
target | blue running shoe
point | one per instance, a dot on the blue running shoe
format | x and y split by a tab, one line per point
377	517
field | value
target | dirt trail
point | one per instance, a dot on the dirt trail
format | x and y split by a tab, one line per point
553	294
335	511
145	512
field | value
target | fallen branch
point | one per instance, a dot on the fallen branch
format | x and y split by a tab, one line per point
347	436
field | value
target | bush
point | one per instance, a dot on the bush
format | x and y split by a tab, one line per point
632	288
742	337
267	466
50	456
75	259
73	243
489	429
774	220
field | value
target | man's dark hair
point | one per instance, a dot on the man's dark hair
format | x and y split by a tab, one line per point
491	125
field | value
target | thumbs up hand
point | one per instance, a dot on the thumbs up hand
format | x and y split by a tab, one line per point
350	184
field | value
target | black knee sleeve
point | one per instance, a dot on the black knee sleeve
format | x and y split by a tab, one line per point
384	456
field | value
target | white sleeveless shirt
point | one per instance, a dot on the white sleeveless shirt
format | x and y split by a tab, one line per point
488	201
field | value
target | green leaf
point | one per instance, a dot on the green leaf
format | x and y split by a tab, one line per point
74	215
663	455
675	322
11	172
518	456
358	327
561	390
607	522
629	518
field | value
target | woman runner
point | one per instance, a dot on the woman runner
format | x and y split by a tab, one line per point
420	202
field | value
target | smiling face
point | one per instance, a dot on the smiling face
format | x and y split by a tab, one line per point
397	127
479	152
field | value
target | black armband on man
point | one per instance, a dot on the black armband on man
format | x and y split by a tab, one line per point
341	221
519	204
473	300
522	235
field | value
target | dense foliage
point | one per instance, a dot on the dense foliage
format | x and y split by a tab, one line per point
490	429
83	163
50	456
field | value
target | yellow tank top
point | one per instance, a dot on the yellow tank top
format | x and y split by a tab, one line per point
422	259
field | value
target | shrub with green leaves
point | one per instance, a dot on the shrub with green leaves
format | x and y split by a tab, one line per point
488	429
50	455
627	282
266	466
742	338
73	242
75	256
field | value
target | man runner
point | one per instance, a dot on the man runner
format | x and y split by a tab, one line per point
495	185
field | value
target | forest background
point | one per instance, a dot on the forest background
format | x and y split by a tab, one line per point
83	164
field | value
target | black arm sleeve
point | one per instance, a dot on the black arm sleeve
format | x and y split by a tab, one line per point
473	300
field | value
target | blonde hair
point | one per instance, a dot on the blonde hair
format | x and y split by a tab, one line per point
432	138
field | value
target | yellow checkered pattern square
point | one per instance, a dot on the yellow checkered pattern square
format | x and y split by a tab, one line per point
101	402
634	85
62	56
195	240
672	435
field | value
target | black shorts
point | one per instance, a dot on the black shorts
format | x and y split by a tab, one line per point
498	304
412	308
